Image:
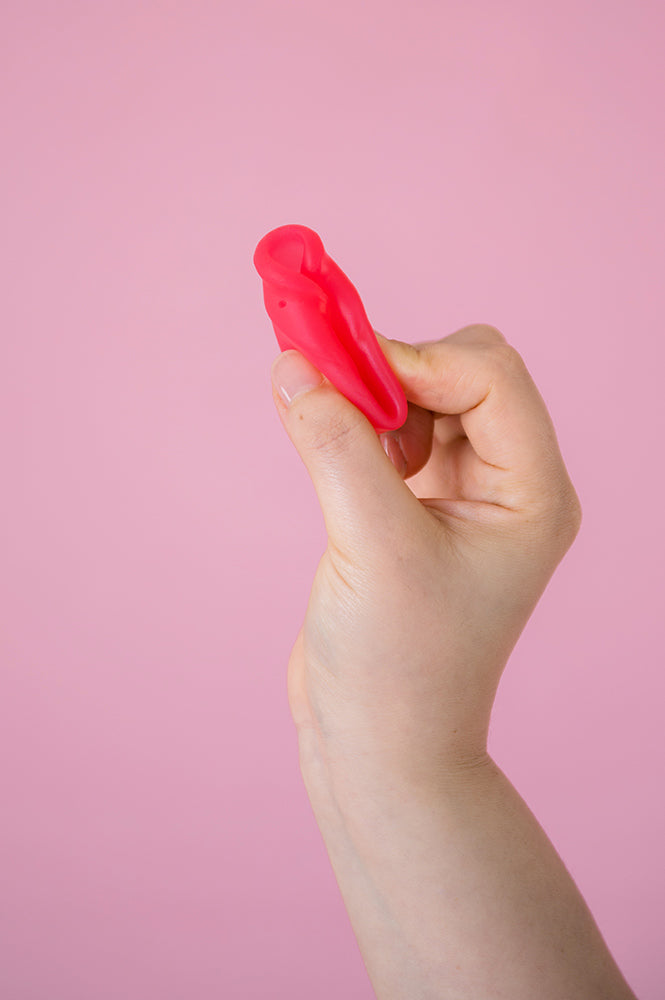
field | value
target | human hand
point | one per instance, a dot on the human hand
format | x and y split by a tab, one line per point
427	581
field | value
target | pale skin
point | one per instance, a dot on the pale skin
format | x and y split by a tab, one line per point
433	566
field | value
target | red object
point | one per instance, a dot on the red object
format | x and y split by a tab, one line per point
316	310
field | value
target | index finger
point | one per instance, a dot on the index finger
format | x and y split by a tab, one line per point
475	374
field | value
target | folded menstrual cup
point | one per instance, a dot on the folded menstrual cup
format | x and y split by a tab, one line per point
316	310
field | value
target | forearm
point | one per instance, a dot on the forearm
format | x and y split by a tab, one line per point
456	895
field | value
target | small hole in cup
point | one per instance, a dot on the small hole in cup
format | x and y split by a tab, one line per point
281	303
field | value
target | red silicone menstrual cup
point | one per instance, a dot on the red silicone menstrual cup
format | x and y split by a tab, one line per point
316	310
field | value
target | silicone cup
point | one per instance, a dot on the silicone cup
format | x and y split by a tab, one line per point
316	310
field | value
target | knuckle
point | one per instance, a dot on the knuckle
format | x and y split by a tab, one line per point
490	334
477	334
331	432
506	360
572	514
564	516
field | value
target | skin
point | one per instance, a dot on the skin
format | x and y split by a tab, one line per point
438	551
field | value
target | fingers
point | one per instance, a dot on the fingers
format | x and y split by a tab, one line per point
410	446
476	333
362	495
475	374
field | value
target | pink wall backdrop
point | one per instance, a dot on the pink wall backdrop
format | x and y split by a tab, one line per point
464	162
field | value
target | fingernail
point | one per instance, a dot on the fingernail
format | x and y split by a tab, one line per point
292	374
393	450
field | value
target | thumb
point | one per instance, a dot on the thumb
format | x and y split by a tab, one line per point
362	495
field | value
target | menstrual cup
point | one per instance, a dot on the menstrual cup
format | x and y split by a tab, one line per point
316	310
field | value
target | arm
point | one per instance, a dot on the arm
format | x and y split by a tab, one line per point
453	890
457	893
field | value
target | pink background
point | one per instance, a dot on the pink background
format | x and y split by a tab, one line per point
463	162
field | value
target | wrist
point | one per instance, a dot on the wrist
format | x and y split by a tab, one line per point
361	789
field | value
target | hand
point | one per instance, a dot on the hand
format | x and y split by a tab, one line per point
451	886
427	580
